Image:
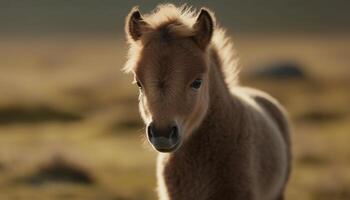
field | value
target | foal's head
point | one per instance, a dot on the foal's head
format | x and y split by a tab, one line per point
170	66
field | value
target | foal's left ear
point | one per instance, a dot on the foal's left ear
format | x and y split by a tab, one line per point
204	28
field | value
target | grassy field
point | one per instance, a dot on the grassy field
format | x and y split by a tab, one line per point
70	128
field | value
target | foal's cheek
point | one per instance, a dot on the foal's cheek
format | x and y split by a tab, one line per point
144	111
189	102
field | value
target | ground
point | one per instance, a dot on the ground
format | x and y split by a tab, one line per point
70	128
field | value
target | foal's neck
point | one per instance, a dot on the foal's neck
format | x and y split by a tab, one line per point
221	99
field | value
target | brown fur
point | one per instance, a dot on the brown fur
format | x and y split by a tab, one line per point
235	140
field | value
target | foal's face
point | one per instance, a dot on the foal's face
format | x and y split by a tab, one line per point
173	83
171	71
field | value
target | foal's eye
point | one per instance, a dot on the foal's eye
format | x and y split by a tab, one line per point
196	84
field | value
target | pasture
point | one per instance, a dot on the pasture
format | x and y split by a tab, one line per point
69	120
70	127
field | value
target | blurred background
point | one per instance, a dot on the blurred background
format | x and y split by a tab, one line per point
69	122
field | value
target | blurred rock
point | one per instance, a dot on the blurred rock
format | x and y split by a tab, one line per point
321	116
135	123
279	70
312	159
2	166
35	114
59	169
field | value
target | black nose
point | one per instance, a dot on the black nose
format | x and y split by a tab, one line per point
163	140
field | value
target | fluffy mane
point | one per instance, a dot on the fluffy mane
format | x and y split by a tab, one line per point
179	22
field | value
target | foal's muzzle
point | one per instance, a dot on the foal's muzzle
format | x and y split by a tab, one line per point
166	140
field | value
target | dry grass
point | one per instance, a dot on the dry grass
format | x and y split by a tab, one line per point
66	96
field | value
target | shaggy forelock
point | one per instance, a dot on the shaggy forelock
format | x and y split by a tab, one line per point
176	20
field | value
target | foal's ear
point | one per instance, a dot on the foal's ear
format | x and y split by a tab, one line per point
134	24
204	28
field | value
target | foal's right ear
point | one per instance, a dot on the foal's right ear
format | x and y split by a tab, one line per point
134	25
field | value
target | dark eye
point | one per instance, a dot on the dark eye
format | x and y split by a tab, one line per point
196	84
139	84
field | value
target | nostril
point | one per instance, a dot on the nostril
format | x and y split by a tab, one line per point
150	131
174	134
